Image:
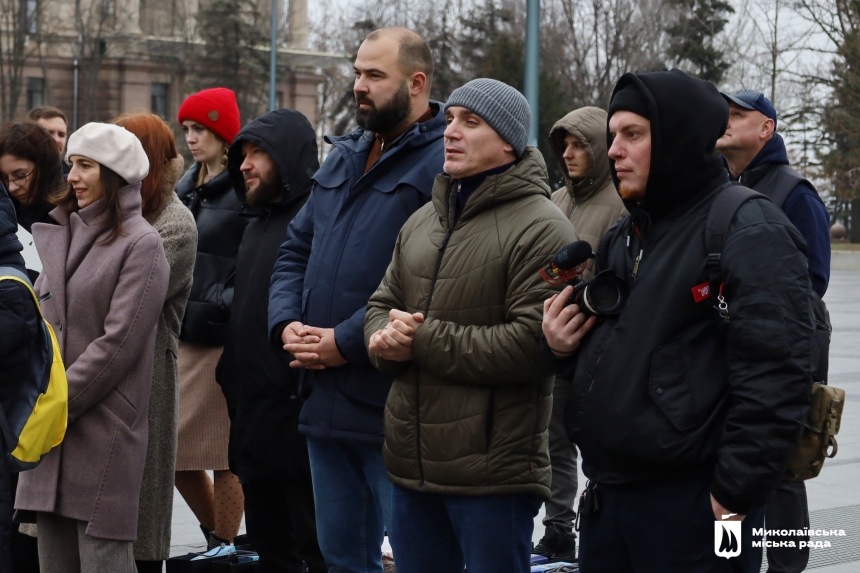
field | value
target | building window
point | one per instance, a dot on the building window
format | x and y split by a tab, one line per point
28	10
158	100
35	92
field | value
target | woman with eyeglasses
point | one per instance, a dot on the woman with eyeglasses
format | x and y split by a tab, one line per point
31	169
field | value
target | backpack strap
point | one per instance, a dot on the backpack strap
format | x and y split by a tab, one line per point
729	199
11	273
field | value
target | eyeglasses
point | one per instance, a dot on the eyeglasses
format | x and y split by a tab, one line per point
6	181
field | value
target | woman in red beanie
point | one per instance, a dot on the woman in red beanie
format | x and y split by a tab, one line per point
210	120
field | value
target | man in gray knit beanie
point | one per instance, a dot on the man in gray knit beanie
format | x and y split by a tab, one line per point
504	108
456	320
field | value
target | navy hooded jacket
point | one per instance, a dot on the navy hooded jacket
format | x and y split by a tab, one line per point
806	211
335	255
19	325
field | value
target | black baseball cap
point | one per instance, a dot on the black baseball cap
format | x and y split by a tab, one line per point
754	100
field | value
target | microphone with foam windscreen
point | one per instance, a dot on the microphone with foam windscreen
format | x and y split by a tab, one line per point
568	263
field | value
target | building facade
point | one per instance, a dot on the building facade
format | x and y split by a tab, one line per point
96	59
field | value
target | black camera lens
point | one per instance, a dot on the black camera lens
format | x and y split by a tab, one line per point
605	295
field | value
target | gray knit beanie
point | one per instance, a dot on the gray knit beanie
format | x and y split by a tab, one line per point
504	108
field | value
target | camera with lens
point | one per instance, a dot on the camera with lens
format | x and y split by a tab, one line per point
604	295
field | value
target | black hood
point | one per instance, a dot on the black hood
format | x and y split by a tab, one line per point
688	116
10	246
287	136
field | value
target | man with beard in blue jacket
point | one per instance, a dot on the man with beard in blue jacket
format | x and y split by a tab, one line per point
336	252
19	328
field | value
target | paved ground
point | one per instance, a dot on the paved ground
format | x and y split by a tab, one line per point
834	497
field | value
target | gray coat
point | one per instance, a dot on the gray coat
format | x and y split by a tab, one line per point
104	303
175	225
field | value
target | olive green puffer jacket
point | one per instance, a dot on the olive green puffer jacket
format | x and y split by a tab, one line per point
469	414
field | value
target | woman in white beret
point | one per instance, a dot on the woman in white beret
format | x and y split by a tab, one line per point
102	286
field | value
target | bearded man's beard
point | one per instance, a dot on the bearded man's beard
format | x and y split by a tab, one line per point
266	193
389	115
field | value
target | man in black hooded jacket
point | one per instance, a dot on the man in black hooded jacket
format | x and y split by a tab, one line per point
683	419
19	328
270	163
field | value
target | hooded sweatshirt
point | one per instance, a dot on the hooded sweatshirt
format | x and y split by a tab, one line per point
667	389
592	204
255	375
803	207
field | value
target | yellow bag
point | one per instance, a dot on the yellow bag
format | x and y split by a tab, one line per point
34	421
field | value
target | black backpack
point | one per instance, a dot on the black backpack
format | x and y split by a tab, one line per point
825	415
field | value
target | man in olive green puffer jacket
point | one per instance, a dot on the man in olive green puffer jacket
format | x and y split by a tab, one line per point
457	320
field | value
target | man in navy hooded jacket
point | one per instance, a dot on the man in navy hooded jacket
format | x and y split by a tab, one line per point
336	253
755	155
18	330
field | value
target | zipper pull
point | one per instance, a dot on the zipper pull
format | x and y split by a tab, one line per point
636	264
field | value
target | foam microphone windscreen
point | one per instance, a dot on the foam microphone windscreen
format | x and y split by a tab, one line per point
573	255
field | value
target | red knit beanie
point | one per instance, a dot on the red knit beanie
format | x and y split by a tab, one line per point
215	109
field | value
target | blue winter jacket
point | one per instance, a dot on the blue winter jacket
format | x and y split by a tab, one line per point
806	211
336	253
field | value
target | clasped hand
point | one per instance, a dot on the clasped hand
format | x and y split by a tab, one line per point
312	347
394	342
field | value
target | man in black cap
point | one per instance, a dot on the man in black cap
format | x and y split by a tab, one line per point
755	155
685	421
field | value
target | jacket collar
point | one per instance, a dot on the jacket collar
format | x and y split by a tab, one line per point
360	141
525	177
54	241
773	153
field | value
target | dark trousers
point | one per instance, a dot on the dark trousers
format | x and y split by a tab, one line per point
665	527
787	509
439	533
562	454
6	525
281	525
22	550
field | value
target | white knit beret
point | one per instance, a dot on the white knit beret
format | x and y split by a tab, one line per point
113	146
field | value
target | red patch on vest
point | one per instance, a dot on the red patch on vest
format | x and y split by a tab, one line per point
701	292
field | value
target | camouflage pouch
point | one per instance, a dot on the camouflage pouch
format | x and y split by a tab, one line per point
819	433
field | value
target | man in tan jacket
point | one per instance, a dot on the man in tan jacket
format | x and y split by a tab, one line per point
457	321
591	202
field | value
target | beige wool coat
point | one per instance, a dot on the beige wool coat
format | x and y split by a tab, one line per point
175	225
592	204
104	301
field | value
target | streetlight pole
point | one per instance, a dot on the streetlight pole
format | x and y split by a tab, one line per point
273	58
532	82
